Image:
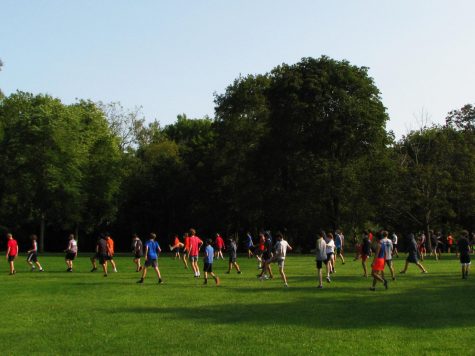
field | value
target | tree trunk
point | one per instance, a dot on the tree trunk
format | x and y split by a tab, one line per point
42	233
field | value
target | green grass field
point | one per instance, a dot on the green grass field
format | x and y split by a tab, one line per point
84	313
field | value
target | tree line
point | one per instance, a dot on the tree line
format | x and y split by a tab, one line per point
297	149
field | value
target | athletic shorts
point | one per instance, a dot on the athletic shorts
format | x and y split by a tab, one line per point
320	264
338	250
378	264
364	258
153	263
465	258
70	256
32	257
138	255
265	255
109	258
281	262
193	258
208	267
232	259
103	258
96	256
11	258
389	263
182	251
329	256
412	257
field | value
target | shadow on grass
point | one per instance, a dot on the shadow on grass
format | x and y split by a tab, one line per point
413	309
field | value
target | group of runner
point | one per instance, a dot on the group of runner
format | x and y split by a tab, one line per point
329	247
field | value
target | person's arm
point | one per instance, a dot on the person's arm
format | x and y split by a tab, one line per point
8	251
289	247
146	253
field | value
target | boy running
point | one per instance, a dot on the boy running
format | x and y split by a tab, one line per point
388	250
321	257
110	253
377	266
137	249
195	245
208	263
464	250
339	243
280	248
152	249
249	245
71	253
12	252
232	250
32	258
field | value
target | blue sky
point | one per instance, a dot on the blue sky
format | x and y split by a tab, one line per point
171	56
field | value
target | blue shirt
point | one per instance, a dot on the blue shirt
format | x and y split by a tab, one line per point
210	252
153	247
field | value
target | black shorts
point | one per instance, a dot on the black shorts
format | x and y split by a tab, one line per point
389	263
138	255
96	256
103	258
208	267
320	264
232	259
338	250
151	263
265	255
70	256
464	258
32	257
11	258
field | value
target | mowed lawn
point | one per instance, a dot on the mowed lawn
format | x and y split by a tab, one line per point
85	313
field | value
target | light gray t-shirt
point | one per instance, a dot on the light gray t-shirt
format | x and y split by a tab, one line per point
388	249
321	250
281	249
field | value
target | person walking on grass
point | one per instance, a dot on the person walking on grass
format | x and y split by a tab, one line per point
232	251
365	253
412	255
176	247
450	242
102	254
388	253
321	257
377	267
110	251
339	243
12	252
259	251
208	262
71	253
32	258
195	245
421	246
96	256
266	256
463	246
394	239
152	250
331	252
249	245
137	250
219	243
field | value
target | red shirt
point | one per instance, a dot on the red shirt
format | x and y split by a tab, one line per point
195	241
219	242
13	245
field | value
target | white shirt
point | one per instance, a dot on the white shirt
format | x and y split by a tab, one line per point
281	249
330	246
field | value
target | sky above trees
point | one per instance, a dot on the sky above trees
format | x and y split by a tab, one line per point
171	56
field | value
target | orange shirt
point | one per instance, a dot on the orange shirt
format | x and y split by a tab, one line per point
110	244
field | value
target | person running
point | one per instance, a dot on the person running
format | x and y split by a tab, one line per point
388	253
96	256
71	252
249	245
463	246
32	255
377	267
232	251
365	253
12	253
330	254
321	257
357	246
394	239
259	251
110	251
434	239
339	243
176	247
137	249
208	263
195	245
280	249
152	250
219	243
412	255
